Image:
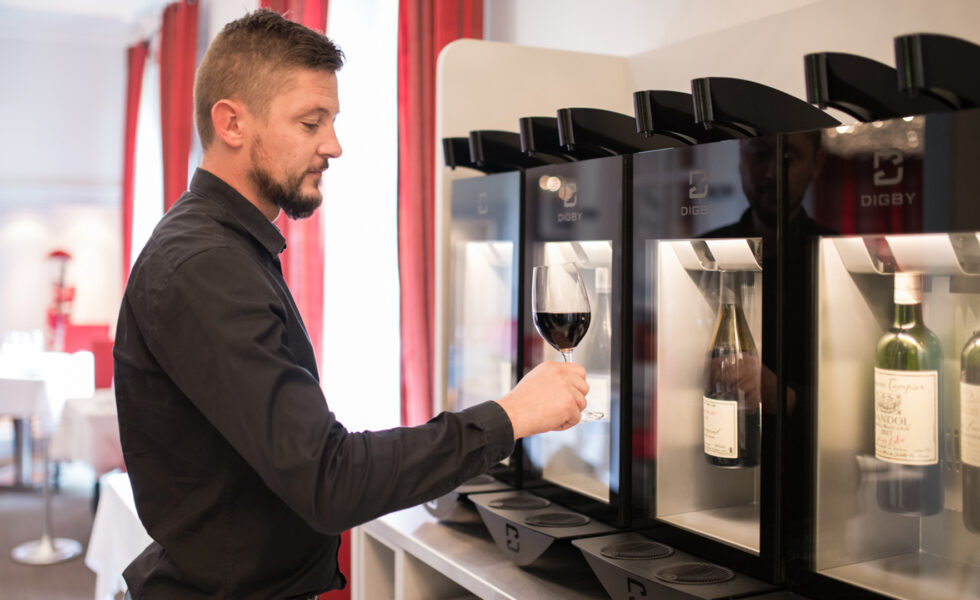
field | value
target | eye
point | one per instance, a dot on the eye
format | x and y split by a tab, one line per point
311	126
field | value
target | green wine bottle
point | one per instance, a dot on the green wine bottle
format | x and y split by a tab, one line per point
970	431
732	402
907	411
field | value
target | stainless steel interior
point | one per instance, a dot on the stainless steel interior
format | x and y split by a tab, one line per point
482	320
580	458
722	504
933	557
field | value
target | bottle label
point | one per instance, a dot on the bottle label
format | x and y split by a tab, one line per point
720	428
907	416
970	423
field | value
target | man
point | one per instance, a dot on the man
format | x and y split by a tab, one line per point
242	475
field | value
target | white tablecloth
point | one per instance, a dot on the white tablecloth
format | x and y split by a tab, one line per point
25	398
88	432
36	384
117	538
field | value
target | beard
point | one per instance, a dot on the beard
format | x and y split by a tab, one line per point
288	194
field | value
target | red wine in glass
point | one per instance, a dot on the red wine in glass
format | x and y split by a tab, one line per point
562	330
560	306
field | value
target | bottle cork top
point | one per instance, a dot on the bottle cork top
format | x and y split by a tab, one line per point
908	288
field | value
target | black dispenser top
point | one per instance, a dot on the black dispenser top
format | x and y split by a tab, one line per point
456	153
747	108
863	88
671	113
606	132
939	66
501	151
539	137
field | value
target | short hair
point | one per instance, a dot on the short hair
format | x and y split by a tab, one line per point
250	59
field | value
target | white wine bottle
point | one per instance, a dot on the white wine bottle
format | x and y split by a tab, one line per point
731	405
907	412
970	431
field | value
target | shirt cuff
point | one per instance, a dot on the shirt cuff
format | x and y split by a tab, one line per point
493	420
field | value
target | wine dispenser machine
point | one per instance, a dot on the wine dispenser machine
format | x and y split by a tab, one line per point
897	356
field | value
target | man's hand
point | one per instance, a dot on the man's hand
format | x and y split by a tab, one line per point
549	398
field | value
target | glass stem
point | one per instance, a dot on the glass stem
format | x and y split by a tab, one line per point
567	355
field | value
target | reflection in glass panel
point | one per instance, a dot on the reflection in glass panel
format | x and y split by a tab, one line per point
579	458
482	318
708	388
896	440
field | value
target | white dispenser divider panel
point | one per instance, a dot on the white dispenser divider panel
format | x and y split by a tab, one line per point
853	252
483	328
915	558
579	458
927	253
735	255
934	253
739	254
718	503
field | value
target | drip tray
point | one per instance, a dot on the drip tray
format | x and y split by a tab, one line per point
557	519
637	550
641	566
519	503
695	573
480	480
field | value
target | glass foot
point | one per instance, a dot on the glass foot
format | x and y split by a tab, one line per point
591	415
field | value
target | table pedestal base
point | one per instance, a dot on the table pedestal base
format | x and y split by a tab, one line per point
46	551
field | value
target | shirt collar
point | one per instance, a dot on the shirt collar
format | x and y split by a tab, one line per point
247	214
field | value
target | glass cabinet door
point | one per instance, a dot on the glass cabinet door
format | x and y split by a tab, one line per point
896	294
704	311
574	214
708	388
483	288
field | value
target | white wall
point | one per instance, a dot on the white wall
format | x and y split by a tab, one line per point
770	49
61	114
669	42
90	233
618	27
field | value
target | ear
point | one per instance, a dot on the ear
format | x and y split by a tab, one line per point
228	118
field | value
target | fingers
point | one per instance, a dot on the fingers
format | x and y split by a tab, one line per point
573	368
573	418
575	375
579	385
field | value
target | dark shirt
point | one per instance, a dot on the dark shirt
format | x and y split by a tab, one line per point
242	475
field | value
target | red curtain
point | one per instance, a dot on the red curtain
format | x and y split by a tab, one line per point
178	54
302	261
136	59
424	28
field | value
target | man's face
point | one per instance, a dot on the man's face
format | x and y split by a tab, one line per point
293	142
758	169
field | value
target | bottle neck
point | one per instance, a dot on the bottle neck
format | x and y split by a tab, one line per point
908	315
727	289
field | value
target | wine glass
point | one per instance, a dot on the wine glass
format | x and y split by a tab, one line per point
561	311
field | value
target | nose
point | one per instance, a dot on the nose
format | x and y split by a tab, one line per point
330	145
